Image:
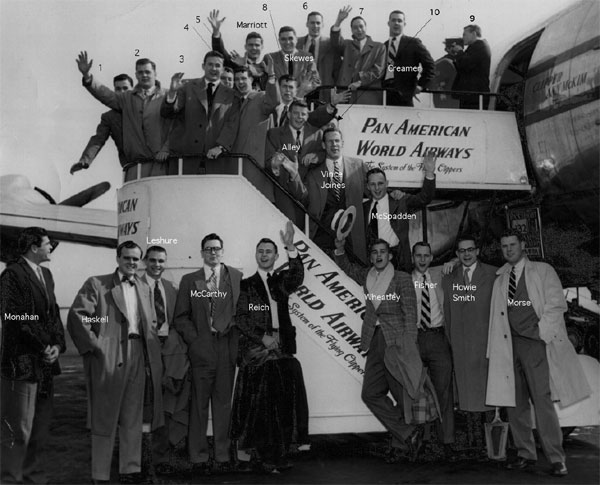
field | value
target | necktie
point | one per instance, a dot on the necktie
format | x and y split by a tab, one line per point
283	116
391	57
159	306
298	141
210	96
425	305
212	286
373	226
512	284
291	67
466	276
40	276
337	180
311	49
131	281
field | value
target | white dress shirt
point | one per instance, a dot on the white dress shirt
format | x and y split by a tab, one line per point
384	226
331	167
272	303
437	315
131	305
471	271
164	329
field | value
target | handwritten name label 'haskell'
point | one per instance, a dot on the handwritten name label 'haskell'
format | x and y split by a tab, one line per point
208	294
386	297
95	319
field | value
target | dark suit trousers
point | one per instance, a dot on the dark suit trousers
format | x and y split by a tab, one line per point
437	357
25	428
376	384
532	379
395	98
212	384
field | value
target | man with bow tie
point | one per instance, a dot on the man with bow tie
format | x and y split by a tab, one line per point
204	317
113	325
32	339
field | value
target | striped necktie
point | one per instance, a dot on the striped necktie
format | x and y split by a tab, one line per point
391	57
337	180
425	305
212	286
373	225
159	306
512	284
466	276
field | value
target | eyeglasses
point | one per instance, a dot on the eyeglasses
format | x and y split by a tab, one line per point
466	250
211	250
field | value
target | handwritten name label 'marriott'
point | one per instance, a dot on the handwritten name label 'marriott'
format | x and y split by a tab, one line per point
251	25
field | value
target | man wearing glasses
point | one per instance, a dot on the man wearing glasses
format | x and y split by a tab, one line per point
468	291
204	314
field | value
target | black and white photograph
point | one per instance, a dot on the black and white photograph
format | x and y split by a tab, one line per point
299	242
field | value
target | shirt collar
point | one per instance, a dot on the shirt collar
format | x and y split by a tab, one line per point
32	265
520	265
208	271
121	275
470	268
215	83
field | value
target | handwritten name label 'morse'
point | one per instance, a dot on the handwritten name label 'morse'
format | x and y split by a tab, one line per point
512	302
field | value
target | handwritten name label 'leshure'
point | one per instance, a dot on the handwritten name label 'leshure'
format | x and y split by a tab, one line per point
251	25
208	294
258	308
161	240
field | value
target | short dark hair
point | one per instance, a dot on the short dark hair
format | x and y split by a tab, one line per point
227	69
123	77
422	244
298	102
286	77
158	249
143	62
239	69
332	129
213	54
379	241
375	170
358	17
266	240
513	232
210	237
128	245
254	35
473	28
398	12
314	12
30	236
286	28
466	237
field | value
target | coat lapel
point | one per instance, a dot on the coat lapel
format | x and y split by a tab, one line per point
260	287
117	293
199	88
34	278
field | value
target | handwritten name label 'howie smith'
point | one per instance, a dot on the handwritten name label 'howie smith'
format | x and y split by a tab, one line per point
208	294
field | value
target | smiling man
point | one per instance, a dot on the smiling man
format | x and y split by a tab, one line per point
530	354
289	60
204	317
145	132
270	410
112	324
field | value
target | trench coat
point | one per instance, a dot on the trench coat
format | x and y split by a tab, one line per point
104	347
568	383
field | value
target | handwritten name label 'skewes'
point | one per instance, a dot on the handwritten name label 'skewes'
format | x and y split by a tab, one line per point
512	302
253	307
161	240
23	316
85	319
292	57
208	294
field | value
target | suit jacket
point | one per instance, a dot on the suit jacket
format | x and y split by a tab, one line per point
473	68
192	315
196	131
445	74
301	67
366	65
24	341
104	341
411	52
315	197
110	125
259	75
398	317
328	64
407	204
145	133
253	324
